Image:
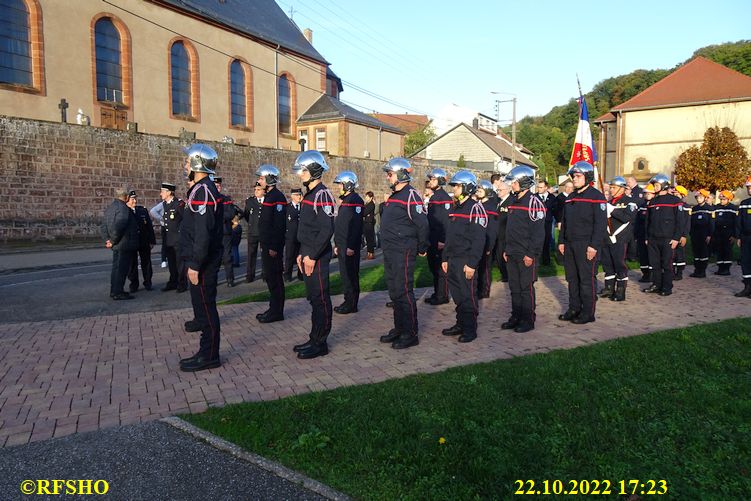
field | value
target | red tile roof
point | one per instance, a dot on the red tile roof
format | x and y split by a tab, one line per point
697	82
407	123
607	117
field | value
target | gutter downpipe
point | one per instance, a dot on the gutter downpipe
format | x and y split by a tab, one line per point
276	93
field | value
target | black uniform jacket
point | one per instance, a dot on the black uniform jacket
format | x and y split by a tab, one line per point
146	236
491	232
584	218
525	228
368	213
252	214
272	224
439	206
202	227
316	222
503	219
621	221
293	218
724	219
404	224
172	218
743	221
348	224
702	222
663	218
465	235
230	210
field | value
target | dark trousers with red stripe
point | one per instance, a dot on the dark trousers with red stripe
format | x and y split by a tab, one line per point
521	282
399	267
484	274
317	287
273	271
203	298
661	261
440	280
349	271
229	270
614	263
464	293
580	275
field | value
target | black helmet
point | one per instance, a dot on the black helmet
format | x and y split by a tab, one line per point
311	161
522	174
467	180
585	168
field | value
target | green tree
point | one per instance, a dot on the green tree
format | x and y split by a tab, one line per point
734	55
720	163
416	141
461	163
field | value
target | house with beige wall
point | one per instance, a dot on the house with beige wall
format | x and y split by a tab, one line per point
239	71
645	135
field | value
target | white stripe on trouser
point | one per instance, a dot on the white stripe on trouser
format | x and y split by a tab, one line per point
682	263
724	262
610	277
624	279
701	259
746	276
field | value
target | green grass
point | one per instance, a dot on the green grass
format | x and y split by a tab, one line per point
673	405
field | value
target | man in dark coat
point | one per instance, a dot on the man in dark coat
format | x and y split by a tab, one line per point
348	240
272	229
291	244
252	214
146	241
120	232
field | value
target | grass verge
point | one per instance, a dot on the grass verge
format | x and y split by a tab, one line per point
673	405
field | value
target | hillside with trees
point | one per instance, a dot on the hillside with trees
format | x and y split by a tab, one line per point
550	136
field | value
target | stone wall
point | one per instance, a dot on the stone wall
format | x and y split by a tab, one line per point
58	178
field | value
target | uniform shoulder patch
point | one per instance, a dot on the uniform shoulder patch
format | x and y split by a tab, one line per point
603	207
358	209
418	208
279	208
447	205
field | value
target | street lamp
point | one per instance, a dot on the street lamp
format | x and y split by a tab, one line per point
513	121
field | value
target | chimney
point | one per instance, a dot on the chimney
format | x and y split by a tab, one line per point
308	33
475	123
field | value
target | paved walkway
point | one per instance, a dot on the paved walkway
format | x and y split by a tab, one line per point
72	376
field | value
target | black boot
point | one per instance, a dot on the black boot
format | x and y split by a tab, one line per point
454	330
678	272
746	288
392	336
314	351
646	276
569	315
608	290
511	323
620	291
405	341
199	363
700	269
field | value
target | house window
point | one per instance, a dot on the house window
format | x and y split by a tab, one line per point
15	44
285	105
109	80
321	139
181	80
303	135
238	102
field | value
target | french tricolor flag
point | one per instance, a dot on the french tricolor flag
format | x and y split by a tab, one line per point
584	149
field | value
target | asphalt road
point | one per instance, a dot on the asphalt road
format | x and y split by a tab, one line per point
58	285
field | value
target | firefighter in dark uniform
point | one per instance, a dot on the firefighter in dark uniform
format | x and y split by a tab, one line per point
348	240
314	233
272	228
368	224
465	246
525	238
743	232
404	234
724	232
201	235
702	226
640	234
146	241
485	194
252	214
579	241
291	244
230	210
621	211
172	216
679	257
551	207
439	206
664	230
504	200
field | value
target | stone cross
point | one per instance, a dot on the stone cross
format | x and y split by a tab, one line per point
63	110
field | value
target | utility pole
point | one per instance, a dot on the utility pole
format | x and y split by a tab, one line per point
513	122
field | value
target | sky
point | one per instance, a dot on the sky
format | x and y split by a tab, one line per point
419	56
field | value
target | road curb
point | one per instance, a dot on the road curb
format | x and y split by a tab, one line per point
260	461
